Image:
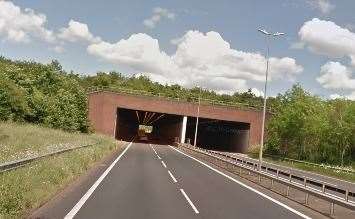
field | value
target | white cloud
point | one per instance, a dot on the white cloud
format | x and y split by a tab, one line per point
323	6
297	45
176	41
352	57
334	75
77	31
139	51
200	59
350	96
335	96
158	14
22	25
257	92
58	49
327	38
350	26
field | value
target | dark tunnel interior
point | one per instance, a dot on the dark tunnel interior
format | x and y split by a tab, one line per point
165	127
219	135
158	128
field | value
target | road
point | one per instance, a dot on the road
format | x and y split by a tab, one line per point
150	181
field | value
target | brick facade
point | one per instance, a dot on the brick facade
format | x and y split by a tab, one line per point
103	106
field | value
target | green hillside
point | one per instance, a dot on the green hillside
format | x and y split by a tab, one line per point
31	186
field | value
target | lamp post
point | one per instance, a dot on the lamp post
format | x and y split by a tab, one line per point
268	35
198	115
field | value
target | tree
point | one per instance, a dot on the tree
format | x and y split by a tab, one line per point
296	128
13	104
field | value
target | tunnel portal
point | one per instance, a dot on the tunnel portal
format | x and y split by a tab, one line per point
168	129
165	127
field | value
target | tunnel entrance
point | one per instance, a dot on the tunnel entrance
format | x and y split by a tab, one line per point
219	135
160	128
145	126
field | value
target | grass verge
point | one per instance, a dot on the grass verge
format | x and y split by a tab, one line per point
31	186
320	170
18	141
315	169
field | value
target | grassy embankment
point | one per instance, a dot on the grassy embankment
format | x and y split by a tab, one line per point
324	169
31	186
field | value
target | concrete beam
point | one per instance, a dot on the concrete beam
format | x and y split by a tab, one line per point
183	129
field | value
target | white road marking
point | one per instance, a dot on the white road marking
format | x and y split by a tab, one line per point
164	165
189	201
153	149
155	152
244	185
172	176
87	195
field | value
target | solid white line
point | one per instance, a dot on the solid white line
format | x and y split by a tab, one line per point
172	176
85	197
162	162
244	185
189	201
158	157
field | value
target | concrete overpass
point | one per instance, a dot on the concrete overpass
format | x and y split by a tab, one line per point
222	128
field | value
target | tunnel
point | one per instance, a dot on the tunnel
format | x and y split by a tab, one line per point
160	128
165	128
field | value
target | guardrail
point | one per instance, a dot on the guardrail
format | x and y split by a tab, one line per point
310	163
298	174
189	99
289	181
19	163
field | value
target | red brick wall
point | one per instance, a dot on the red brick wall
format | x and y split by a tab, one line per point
103	105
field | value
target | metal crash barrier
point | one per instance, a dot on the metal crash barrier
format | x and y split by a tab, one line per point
287	178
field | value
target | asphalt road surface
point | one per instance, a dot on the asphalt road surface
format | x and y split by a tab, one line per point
150	181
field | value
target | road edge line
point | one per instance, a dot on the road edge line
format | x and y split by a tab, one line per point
245	186
87	195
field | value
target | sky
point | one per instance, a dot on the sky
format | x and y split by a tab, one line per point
205	43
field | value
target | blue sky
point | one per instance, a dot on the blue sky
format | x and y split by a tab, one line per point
213	44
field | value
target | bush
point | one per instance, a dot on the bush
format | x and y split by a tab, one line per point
308	128
42	94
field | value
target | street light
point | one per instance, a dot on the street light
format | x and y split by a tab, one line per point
198	115
268	35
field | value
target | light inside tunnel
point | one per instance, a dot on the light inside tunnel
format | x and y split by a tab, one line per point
145	128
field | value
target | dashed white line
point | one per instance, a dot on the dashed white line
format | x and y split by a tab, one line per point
189	201
244	185
155	152
172	176
87	195
164	165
